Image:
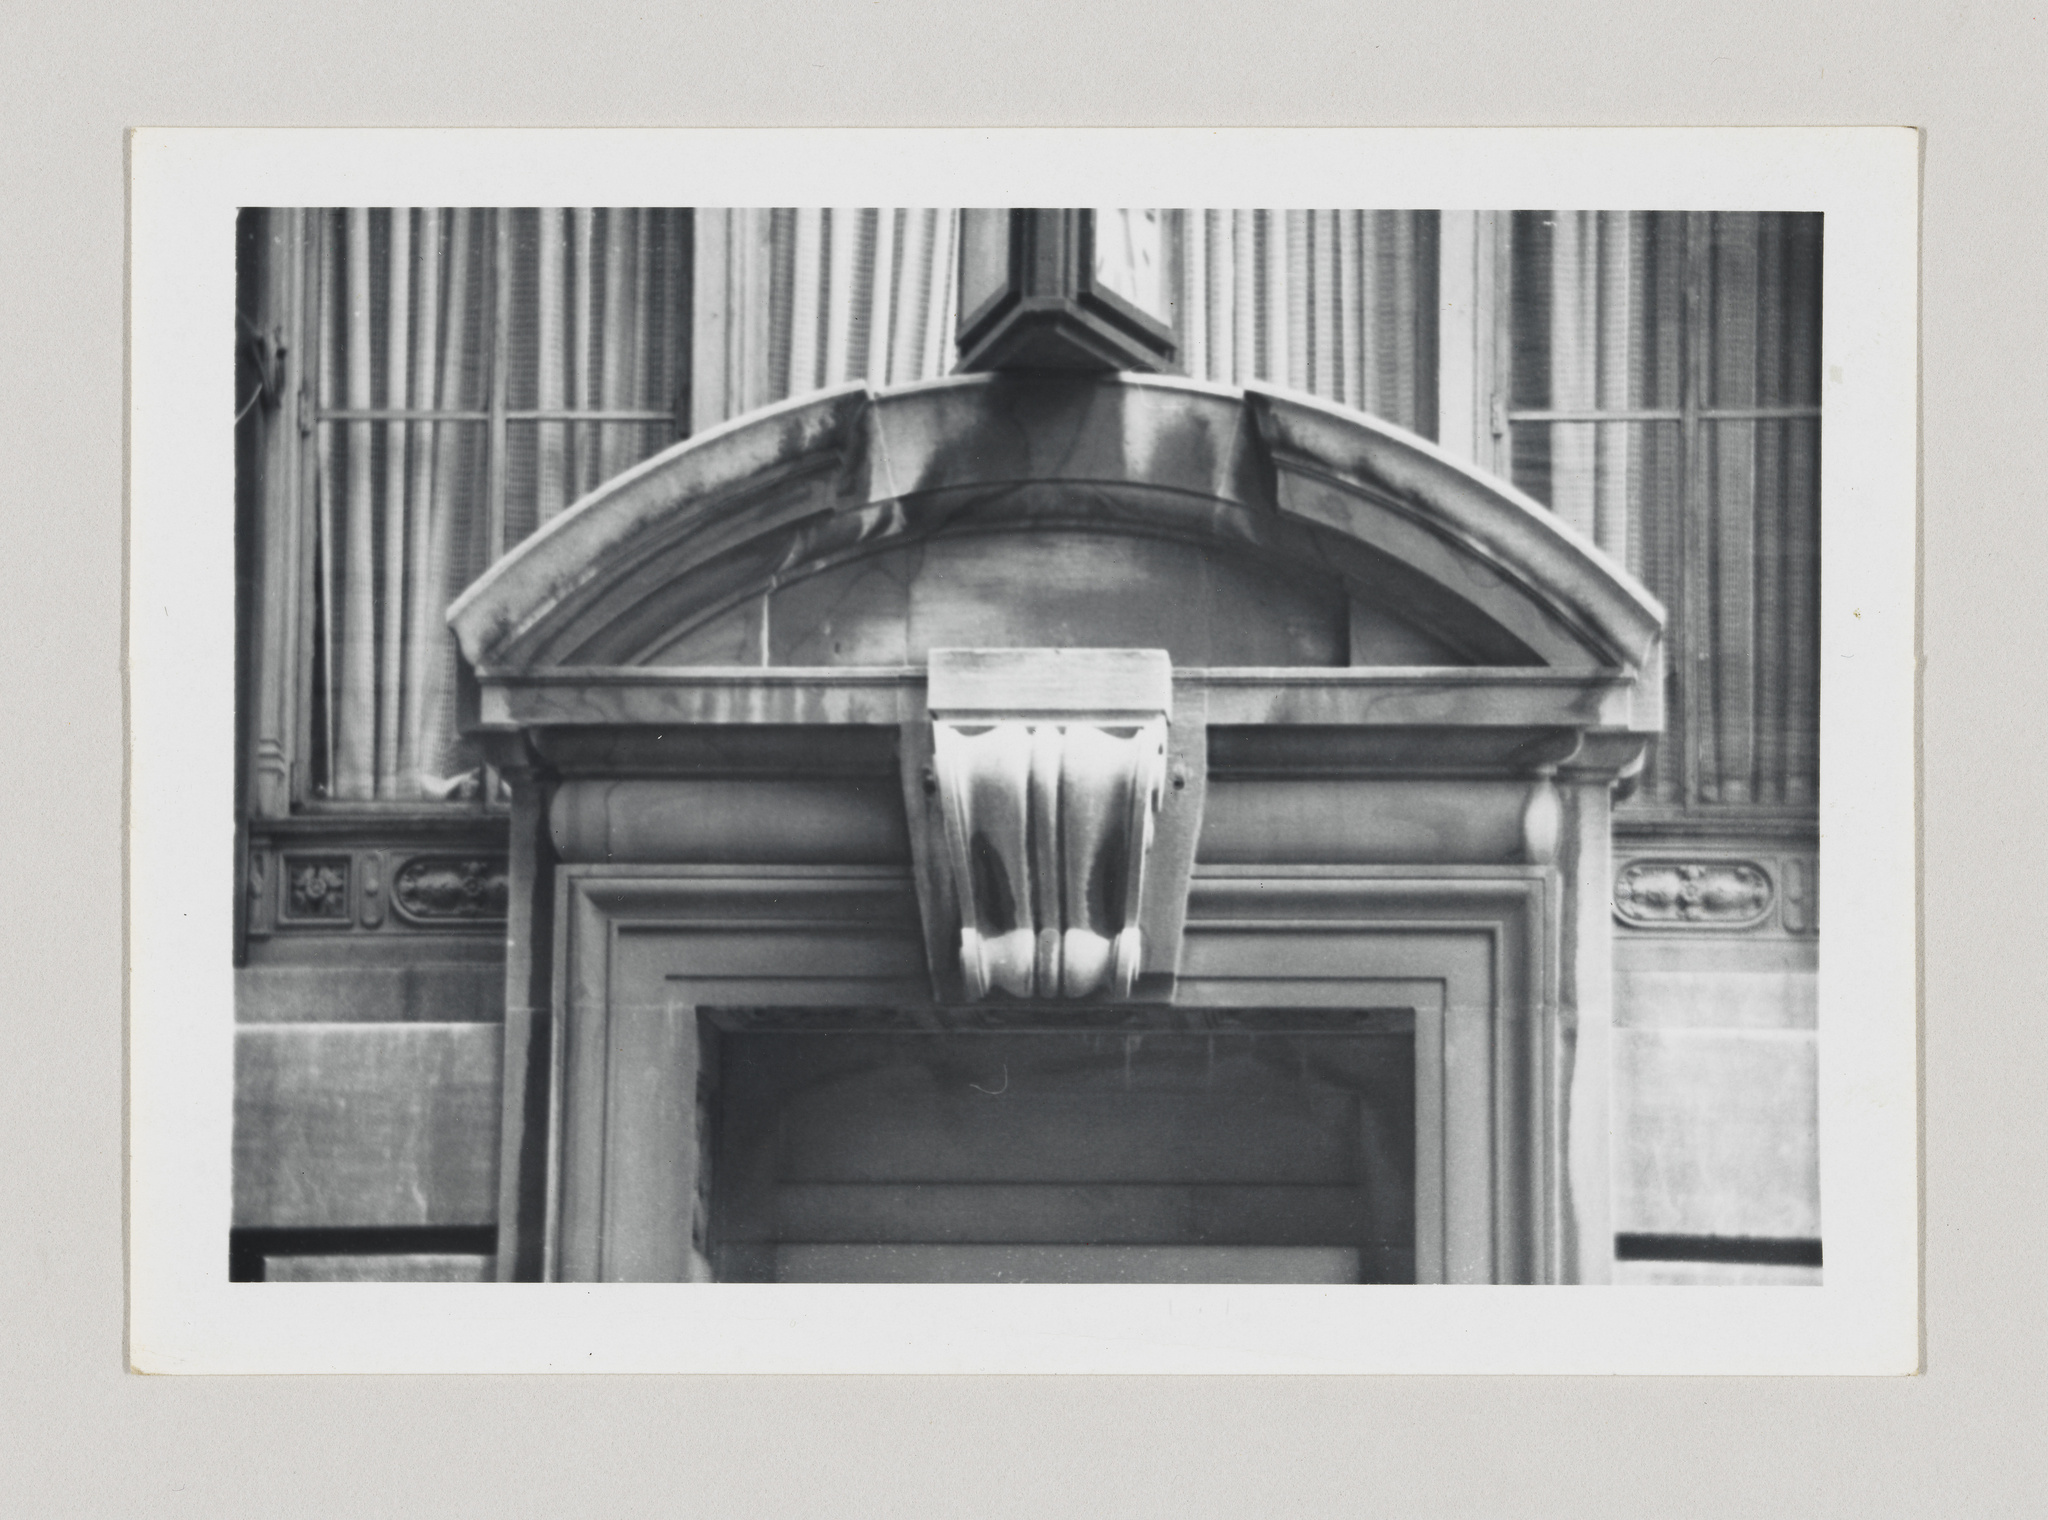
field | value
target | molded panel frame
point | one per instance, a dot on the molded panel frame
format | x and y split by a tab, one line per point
1470	949
622	998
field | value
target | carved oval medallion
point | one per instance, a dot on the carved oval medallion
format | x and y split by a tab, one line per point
451	888
1720	894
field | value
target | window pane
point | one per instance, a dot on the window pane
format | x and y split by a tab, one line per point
1341	304
1762	280
984	257
427	309
399	530
1761	536
1529	326
1653	487
597	308
549	466
1129	257
1603	477
1648	301
1597	310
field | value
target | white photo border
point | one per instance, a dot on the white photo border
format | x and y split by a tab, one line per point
184	1314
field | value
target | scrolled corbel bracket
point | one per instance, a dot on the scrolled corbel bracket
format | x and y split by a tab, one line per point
1049	770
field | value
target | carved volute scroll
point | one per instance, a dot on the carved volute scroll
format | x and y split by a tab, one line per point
1050	767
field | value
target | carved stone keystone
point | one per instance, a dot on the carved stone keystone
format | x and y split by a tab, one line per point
1050	767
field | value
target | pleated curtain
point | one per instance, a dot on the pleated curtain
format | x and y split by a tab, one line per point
1341	304
1696	336
792	301
401	314
448	344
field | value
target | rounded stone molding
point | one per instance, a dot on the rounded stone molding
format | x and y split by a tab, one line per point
796	489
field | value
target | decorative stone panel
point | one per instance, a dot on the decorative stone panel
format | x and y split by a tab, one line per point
359	875
451	888
316	888
1801	912
1050	769
1048	827
1722	894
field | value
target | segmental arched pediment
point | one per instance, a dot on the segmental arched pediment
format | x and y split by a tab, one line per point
1234	528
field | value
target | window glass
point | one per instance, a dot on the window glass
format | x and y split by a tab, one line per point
454	349
1663	398
984	257
1129	256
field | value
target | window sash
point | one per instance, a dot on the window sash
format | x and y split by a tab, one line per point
1725	528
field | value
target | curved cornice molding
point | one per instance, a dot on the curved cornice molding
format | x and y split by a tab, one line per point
1340	467
795	488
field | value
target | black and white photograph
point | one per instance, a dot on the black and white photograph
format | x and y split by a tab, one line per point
1049	745
1021	761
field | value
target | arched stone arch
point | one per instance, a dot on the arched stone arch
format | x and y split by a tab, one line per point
1377	705
1256	490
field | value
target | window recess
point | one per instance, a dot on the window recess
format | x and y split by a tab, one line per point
453	379
1655	382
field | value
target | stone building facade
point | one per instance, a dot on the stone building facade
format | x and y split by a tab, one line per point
1067	745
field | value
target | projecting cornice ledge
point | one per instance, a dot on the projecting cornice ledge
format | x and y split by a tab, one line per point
747	696
1340	469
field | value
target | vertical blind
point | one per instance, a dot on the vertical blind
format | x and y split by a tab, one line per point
1664	398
